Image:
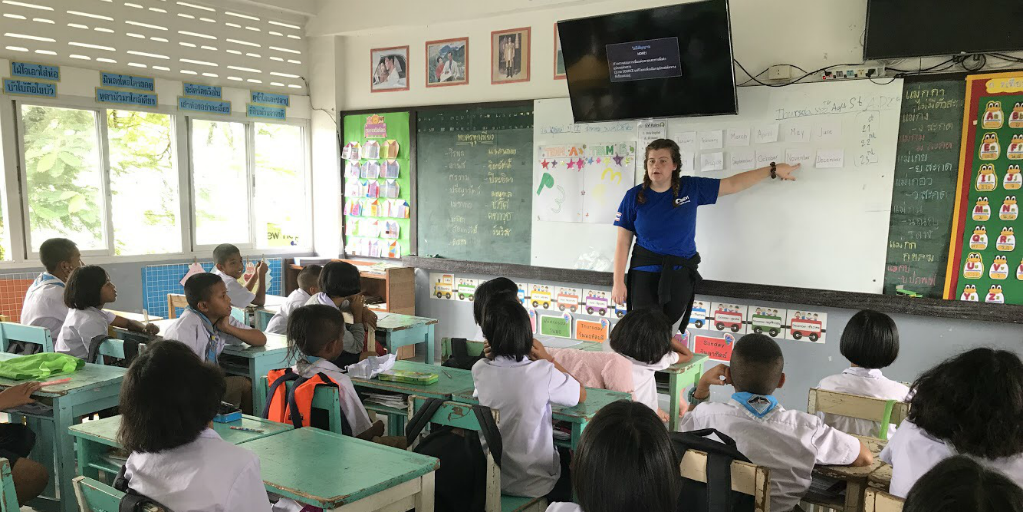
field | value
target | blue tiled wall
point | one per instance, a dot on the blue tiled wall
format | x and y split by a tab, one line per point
159	280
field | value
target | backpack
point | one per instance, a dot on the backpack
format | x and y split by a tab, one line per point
460	483
295	406
460	357
717	494
133	501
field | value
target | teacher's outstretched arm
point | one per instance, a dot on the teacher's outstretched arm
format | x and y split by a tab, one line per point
624	238
745	180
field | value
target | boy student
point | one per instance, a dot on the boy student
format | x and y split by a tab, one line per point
789	443
230	267
308	280
206	325
44	302
16	441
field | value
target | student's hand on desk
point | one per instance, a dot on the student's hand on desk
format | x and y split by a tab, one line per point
713	377
21	394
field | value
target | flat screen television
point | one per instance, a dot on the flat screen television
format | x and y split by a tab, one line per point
671	61
922	28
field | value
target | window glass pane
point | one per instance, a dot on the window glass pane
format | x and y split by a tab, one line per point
62	170
5	237
281	206
143	183
221	193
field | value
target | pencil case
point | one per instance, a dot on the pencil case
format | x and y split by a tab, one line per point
408	377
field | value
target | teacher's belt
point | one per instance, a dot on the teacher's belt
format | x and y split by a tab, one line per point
643	257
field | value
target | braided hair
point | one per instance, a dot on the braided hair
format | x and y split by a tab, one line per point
677	159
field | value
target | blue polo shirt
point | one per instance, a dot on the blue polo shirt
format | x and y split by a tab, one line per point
662	227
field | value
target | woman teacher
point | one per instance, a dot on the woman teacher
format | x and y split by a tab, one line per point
662	214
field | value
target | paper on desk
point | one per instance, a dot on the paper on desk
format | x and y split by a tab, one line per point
371	366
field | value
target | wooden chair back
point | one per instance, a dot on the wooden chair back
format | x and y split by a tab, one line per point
10	331
8	498
113	348
175	300
877	500
886	412
747	478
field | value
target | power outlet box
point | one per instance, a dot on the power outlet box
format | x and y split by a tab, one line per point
853	73
779	72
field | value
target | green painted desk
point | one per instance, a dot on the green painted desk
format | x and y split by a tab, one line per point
340	473
94	438
578	416
400	330
264	313
93	388
456	380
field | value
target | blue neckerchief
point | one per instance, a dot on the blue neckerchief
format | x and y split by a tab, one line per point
211	345
758	405
45	279
312	359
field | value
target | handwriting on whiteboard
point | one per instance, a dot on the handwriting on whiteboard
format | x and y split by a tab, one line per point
840	106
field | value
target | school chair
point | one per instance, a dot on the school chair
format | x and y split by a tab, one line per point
8	498
95	496
877	500
10	331
473	348
175	300
325	398
747	478
460	415
113	348
886	412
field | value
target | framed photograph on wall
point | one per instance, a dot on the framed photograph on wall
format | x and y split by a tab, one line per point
510	56
389	69
559	60
447	62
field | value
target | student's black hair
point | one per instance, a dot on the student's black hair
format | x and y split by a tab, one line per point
55	251
973	401
313	327
167	398
756	364
625	461
199	287
870	340
339	279
489	289
83	287
506	326
309	276
222	252
959	484
643	334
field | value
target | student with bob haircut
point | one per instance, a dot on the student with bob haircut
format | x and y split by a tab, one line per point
624	461
88	290
644	338
340	288
520	380
484	292
970	405
870	342
168	400
959	484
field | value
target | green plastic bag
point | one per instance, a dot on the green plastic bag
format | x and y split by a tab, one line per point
39	366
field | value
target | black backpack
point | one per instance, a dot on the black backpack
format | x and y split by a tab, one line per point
460	357
133	501
460	484
716	495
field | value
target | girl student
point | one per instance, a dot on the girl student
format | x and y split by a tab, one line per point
88	290
483	293
340	288
644	338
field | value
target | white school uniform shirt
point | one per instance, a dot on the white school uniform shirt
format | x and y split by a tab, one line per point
351	407
863	382
279	322
563	507
645	389
355	333
206	475
522	392
912	452
44	304
789	443
80	327
194	329
240	297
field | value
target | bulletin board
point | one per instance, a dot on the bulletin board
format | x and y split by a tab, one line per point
377	186
985	263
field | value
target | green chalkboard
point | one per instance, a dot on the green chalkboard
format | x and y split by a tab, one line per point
924	185
473	173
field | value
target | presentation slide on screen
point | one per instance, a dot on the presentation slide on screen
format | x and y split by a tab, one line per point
644	60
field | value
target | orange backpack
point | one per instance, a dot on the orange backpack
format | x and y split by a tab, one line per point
295	406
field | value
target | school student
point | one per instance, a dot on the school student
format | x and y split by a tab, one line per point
644	337
206	326
168	400
308	286
44	301
17	441
87	291
483	293
624	462
788	442
870	342
520	380
959	484
969	405
230	267
339	287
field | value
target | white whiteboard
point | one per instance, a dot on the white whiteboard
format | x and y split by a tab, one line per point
827	230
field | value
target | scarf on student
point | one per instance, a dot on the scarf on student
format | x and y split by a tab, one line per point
211	346
45	279
758	405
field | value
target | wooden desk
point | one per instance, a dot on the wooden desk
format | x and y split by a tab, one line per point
95	438
335	472
444	388
402	330
856	477
881	477
92	388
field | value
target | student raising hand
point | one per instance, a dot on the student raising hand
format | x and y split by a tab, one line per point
21	394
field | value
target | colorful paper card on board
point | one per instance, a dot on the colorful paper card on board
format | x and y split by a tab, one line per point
718	349
593	330
558	326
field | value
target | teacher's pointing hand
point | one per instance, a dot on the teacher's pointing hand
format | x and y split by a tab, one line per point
785	171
